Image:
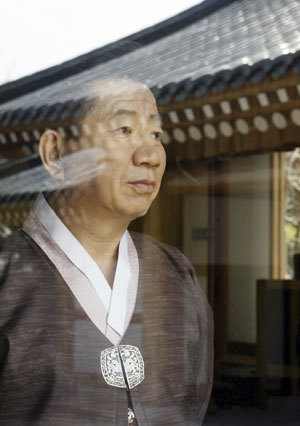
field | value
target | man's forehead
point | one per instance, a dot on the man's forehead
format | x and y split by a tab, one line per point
141	95
119	95
132	104
138	103
117	86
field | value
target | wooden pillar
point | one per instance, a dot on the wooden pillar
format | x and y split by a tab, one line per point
277	215
219	267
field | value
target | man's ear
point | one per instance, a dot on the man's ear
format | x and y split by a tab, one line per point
51	150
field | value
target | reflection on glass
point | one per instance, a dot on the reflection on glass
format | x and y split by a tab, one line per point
100	325
226	79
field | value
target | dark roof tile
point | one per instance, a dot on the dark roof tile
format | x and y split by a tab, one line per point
239	76
183	90
202	85
220	81
280	65
166	94
260	70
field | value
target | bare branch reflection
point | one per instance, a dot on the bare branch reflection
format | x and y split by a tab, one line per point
78	167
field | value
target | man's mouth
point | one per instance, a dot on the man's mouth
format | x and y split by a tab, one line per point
143	185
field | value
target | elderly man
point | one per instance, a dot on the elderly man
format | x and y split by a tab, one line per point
98	325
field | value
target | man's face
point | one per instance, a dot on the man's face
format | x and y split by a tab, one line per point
127	128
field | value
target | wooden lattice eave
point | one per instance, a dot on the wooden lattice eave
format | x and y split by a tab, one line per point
269	127
255	118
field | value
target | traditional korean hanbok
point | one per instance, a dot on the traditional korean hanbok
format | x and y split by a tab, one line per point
74	351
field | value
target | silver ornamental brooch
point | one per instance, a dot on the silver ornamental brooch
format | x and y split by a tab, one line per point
133	365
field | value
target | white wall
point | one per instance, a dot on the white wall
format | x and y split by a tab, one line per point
248	239
248	242
195	216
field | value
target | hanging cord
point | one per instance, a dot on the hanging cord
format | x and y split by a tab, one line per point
131	414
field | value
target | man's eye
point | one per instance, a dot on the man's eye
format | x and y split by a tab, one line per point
126	130
156	135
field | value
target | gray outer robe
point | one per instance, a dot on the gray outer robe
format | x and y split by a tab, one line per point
49	349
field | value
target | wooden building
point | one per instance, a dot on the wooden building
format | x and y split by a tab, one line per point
226	75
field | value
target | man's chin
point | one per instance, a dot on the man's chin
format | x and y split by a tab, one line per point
134	214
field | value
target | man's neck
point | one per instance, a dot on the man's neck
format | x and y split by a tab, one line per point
100	236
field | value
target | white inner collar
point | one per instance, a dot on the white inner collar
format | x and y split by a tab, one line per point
115	299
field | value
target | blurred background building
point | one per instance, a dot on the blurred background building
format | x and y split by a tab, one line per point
226	75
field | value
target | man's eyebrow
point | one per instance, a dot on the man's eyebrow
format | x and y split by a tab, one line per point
123	111
156	117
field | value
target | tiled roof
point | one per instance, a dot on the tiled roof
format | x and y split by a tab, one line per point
243	40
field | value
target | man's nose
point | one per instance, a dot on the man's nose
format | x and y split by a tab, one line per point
146	152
